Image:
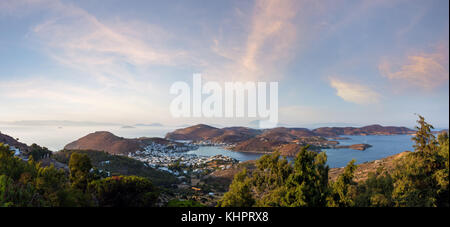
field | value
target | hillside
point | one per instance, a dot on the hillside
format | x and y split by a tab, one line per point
110	143
361	173
196	132
206	132
120	165
282	139
5	139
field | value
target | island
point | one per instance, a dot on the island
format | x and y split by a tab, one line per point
287	141
359	147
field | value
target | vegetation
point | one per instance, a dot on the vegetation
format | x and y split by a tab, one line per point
120	165
420	178
27	184
80	167
185	203
276	182
124	191
38	152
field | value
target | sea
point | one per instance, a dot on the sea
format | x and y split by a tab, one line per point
56	137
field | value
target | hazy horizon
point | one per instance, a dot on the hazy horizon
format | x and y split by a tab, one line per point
251	124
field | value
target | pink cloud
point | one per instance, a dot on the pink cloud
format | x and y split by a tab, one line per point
423	70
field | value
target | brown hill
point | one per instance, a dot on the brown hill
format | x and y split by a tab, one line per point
239	134
295	132
110	143
259	144
281	138
290	149
225	177
203	132
366	130
5	139
232	135
195	133
105	141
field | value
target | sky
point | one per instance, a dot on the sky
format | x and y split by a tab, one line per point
354	62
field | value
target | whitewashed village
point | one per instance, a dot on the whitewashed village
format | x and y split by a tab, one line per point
175	159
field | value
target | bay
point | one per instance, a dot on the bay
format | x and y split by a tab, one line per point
55	138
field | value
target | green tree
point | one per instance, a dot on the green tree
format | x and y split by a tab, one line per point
421	177
441	175
10	165
38	152
239	194
269	179
80	167
376	191
344	188
124	191
276	182
307	186
14	194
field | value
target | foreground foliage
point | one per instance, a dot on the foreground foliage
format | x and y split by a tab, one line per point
124	191
120	165
420	178
27	184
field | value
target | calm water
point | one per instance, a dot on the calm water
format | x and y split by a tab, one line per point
211	151
382	146
56	138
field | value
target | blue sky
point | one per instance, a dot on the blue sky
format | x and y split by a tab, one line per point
337	61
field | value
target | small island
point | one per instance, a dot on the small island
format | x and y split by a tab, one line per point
127	127
359	147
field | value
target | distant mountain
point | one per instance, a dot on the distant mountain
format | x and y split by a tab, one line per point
149	125
366	130
61	123
183	126
331	124
127	127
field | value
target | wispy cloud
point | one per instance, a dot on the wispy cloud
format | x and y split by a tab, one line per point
355	93
107	50
268	43
50	99
423	70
